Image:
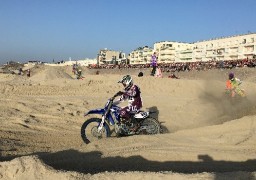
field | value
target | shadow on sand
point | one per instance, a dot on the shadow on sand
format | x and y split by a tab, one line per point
94	162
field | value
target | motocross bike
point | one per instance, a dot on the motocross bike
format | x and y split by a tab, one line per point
233	88
235	95
235	92
98	128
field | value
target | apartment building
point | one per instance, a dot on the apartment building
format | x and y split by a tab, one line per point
141	55
225	48
106	56
173	51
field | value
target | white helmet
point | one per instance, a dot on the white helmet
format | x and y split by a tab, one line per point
127	82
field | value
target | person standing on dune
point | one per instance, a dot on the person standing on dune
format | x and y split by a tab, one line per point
153	63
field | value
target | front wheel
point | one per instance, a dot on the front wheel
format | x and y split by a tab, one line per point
89	130
151	126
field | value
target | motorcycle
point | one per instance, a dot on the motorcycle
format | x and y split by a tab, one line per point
99	128
235	96
233	89
235	93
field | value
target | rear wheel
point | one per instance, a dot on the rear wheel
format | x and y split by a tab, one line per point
89	130
151	126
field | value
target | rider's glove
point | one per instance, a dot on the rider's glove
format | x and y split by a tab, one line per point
119	93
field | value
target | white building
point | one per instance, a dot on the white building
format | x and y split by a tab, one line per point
169	51
141	55
226	48
85	62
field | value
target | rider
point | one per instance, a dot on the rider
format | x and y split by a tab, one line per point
232	85
133	95
79	74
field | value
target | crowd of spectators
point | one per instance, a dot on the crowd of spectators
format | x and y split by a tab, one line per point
186	66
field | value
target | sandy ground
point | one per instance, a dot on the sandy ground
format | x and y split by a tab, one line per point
206	136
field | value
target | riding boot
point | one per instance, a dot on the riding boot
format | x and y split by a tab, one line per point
125	120
135	127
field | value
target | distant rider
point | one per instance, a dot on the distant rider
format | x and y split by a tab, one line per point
133	95
28	73
79	74
20	71
232	85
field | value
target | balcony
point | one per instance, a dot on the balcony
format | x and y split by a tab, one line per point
233	57
210	48
249	52
210	55
233	52
167	48
185	56
249	46
186	59
165	54
167	51
233	46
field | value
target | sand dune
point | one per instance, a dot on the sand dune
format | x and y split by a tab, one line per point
205	135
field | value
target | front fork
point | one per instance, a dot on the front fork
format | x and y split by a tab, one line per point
101	124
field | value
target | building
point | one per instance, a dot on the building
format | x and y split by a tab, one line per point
106	56
82	62
225	48
173	51
141	55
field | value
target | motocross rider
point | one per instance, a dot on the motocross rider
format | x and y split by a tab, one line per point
232	85
132	94
79	74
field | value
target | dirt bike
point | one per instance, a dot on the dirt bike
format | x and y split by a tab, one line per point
233	88
235	92
235	95
98	128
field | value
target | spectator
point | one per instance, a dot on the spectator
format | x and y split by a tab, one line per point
173	76
153	64
158	72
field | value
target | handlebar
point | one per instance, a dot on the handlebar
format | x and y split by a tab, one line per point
111	102
119	93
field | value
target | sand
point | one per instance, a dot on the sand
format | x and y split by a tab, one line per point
206	136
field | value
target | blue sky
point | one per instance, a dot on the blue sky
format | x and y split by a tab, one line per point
58	29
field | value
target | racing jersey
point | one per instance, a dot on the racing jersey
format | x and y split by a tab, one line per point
232	84
133	95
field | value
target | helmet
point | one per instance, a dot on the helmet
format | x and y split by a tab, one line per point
127	82
231	75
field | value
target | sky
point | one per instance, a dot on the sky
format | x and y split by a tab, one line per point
56	30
